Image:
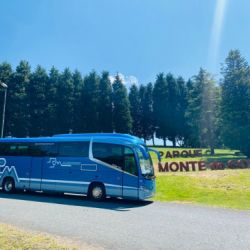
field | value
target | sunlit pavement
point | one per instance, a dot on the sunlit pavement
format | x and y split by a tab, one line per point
122	224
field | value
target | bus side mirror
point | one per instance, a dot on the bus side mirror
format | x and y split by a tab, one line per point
156	152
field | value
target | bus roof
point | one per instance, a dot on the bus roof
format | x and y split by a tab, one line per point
110	137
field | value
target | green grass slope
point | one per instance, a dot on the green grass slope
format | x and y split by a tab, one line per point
225	188
228	188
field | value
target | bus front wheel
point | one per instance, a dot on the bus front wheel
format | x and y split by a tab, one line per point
97	192
8	185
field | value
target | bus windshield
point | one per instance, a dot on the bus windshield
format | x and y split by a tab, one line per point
146	164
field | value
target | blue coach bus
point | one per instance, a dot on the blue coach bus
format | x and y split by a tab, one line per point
98	165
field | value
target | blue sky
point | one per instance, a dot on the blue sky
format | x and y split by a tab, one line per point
138	38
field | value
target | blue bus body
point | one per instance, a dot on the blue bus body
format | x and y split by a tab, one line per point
71	163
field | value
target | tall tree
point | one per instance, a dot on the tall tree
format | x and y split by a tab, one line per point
181	122
65	101
5	72
51	123
36	92
143	118
160	99
235	102
135	110
17	115
121	113
5	77
171	107
201	113
105	104
189	140
90	103
147	121
78	88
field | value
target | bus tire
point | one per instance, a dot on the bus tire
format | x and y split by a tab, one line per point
8	185
96	192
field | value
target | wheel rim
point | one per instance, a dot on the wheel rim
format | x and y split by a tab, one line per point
97	192
8	186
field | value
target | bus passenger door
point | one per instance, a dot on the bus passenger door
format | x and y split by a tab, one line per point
44	166
36	173
130	175
49	174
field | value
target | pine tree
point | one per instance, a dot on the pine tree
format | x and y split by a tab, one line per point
208	114
171	107
135	110
51	123
181	122
188	140
160	99
235	102
17	115
65	102
5	72
193	112
90	103
78	88
105	104
143	118
147	121
201	113
121	113
5	77
36	92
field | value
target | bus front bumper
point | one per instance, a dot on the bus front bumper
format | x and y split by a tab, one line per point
147	191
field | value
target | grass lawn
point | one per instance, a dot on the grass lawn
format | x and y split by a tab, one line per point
224	188
12	238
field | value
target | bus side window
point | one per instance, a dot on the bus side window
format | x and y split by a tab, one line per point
111	154
74	149
5	149
23	149
44	149
15	149
130	165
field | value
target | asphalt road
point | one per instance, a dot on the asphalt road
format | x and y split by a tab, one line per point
117	224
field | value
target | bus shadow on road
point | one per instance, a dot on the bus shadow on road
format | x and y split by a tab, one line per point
116	204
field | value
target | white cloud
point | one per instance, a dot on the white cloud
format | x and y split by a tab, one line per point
128	81
111	78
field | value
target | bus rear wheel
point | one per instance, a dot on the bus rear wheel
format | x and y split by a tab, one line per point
97	192
8	185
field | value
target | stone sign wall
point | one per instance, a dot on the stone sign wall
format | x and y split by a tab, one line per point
199	165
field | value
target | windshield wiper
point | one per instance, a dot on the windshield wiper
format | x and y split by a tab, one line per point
149	176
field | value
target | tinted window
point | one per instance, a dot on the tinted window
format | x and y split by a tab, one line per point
109	153
15	149
116	155
44	149
76	149
129	161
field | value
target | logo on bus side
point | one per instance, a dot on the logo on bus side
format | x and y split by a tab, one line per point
2	162
57	163
7	170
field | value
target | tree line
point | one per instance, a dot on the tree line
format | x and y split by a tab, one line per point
199	112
